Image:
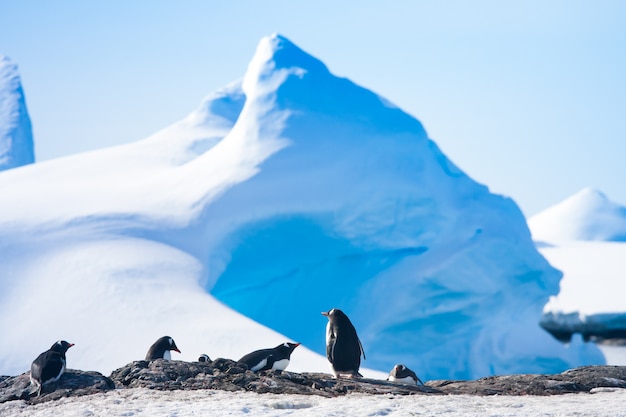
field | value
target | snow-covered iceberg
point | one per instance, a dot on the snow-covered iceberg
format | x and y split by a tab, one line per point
585	237
16	137
283	195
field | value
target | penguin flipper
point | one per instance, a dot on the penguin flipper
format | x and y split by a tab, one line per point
361	347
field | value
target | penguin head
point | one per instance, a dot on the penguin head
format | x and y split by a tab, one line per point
334	314
398	368
204	358
287	347
167	343
61	346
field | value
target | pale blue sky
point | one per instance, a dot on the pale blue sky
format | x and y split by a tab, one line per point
527	97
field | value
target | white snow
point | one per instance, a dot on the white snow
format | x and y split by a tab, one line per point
593	280
283	195
587	215
16	138
583	236
142	402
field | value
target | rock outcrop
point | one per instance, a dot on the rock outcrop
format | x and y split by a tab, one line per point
227	375
73	383
582	379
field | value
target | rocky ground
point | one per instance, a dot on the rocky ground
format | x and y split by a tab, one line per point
227	375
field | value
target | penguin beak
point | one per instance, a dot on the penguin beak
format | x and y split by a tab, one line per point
71	344
324	313
297	344
177	350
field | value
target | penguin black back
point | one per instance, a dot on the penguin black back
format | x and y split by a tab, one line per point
275	358
49	365
343	346
161	349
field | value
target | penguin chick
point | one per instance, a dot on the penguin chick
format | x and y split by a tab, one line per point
343	347
161	349
403	375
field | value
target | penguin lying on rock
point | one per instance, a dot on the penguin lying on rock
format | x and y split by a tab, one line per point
161	349
204	358
403	375
343	347
49	366
264	359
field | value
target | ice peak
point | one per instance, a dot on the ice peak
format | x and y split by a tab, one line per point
587	215
285	53
275	58
16	141
588	196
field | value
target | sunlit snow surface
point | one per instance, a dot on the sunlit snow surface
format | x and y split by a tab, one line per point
284	194
152	403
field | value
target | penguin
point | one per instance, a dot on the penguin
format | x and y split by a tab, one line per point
204	358
403	375
343	347
161	349
49	365
264	359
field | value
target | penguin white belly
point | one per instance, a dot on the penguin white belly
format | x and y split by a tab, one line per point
328	333
167	355
406	380
259	365
280	365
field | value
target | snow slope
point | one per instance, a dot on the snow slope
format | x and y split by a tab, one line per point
283	195
585	237
587	215
16	138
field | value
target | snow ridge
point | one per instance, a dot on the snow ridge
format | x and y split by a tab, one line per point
588	215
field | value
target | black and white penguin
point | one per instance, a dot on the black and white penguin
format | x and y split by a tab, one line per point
204	358
161	349
343	347
50	365
275	358
403	375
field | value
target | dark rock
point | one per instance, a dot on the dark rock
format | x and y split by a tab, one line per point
596	327
73	383
228	375
582	379
225	374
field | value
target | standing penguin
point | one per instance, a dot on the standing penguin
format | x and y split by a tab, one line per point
49	366
161	349
403	375
343	347
275	358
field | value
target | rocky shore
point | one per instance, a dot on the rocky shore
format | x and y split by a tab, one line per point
227	375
